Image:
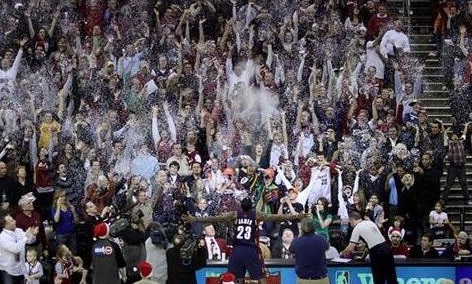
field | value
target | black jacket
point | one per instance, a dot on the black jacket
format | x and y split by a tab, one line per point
178	272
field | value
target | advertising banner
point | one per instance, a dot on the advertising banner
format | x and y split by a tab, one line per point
363	275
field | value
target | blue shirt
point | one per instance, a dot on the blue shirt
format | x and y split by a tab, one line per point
393	198
66	222
310	256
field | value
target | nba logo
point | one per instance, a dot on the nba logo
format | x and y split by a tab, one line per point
465	281
342	277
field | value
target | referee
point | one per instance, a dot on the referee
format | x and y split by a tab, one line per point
381	257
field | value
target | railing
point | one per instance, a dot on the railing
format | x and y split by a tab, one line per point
462	210
407	14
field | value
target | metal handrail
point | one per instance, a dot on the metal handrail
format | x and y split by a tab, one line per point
407	14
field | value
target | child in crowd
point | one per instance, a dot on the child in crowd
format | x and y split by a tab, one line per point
68	268
33	268
398	224
438	221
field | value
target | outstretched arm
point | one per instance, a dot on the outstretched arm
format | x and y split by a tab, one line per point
278	218
226	218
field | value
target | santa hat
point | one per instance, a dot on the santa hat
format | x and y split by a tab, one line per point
145	269
396	232
228	278
101	230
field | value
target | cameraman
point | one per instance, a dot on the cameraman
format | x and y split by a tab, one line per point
134	236
181	270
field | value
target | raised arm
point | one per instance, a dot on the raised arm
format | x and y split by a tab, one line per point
229	60
30	22
199	108
295	27
224	37
270	134
331	80
62	94
301	66
154	127
281	175
158	20
312	80
178	30
16	64
283	28
56	15
284	129
201	38
375	114
170	122
279	76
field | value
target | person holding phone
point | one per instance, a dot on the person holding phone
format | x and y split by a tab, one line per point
64	216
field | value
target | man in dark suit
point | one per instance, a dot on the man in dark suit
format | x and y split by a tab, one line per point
425	249
217	247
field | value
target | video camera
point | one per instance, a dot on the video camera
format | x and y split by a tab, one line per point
123	220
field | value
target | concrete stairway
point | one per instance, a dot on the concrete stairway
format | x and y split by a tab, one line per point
436	101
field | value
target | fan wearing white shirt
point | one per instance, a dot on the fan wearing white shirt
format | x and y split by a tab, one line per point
394	38
12	249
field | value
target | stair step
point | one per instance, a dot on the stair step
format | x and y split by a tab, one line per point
436	112
421	52
436	68
432	102
423	46
433	60
433	85
435	93
432	76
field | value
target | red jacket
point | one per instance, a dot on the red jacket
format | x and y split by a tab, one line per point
100	200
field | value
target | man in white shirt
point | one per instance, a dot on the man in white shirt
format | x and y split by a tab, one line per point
394	39
381	257
12	249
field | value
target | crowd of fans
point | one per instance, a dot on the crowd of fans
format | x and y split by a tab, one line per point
159	109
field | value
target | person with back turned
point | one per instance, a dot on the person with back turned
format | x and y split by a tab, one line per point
381	257
310	255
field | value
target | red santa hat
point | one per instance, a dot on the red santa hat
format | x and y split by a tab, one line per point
145	269
101	230
396	232
227	278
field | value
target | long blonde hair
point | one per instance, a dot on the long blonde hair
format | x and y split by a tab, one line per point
57	194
